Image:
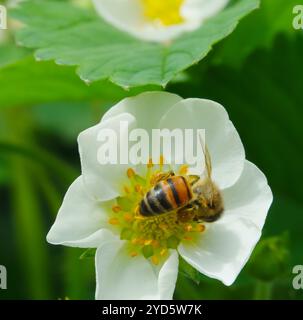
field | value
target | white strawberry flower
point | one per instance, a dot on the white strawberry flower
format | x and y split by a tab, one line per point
137	258
158	20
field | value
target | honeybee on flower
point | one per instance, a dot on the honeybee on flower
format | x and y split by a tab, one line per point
138	248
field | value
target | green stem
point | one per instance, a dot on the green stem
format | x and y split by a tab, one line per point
45	158
263	290
77	275
30	232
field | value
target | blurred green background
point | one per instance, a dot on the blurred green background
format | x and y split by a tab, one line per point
256	73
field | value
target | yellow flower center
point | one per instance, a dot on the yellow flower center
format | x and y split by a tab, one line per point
167	12
151	237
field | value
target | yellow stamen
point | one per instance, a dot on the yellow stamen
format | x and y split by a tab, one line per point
130	172
163	226
154	236
148	242
150	163
163	252
128	217
188	238
133	254
200	228
161	160
155	260
113	221
126	189
155	244
188	227
134	241
167	12
138	188
138	241
116	209
183	169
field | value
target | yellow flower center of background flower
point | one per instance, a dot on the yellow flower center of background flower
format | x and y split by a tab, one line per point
151	237
167	12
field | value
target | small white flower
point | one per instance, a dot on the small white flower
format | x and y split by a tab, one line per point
98	209
158	20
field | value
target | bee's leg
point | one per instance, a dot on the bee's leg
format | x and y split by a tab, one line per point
186	214
161	176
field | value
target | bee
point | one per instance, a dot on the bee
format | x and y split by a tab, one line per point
192	197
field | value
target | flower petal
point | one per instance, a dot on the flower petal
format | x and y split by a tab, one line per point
128	16
121	277
147	108
80	219
223	250
250	197
201	10
104	181
222	139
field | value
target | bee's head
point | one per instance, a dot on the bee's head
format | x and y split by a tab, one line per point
208	200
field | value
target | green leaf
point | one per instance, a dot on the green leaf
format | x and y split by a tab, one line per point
27	82
74	36
258	30
88	254
11	54
29	231
188	271
270	259
173	242
147	251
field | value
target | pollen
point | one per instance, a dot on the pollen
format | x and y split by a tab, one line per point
138	188
150	163
148	242
161	160
128	217
165	12
130	172
113	221
163	226
188	238
155	260
116	209
127	189
163	252
183	169
155	244
200	228
188	227
133	254
154	236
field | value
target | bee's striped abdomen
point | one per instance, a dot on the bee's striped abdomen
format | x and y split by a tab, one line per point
165	196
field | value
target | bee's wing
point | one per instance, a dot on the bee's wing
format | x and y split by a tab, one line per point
207	158
208	166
